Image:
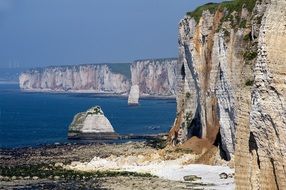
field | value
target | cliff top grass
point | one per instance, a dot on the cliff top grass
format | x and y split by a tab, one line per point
121	68
231	6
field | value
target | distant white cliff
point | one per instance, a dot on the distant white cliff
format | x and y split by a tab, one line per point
155	77
95	78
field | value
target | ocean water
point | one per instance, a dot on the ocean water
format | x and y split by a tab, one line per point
30	119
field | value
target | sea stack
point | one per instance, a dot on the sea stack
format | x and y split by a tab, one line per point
133	98
91	124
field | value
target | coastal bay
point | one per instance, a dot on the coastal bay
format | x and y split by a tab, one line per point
33	119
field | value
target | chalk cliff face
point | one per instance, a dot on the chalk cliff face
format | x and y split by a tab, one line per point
82	78
231	87
155	76
133	98
265	137
210	65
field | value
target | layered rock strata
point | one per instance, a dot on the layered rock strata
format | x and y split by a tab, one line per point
155	77
231	87
95	78
261	146
210	66
91	124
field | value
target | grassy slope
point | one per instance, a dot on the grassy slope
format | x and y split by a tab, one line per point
235	5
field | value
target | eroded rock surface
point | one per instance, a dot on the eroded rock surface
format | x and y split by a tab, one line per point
155	77
210	71
95	78
91	124
231	87
133	98
261	152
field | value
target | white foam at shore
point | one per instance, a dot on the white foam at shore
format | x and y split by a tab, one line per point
167	169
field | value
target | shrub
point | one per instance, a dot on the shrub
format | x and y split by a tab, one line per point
250	55
249	82
226	33
247	37
242	24
188	95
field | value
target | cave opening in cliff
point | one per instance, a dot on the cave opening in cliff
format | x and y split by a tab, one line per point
195	127
252	144
183	73
218	143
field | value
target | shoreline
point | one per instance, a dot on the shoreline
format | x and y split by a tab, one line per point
92	93
122	138
70	142
42	168
129	165
98	94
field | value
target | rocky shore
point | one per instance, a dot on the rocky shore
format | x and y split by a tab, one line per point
45	167
41	168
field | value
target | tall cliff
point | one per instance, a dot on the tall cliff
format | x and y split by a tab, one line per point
155	76
97	78
261	162
231	87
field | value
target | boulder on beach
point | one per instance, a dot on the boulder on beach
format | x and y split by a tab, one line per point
133	98
91	124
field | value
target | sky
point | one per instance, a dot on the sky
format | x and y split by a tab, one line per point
35	33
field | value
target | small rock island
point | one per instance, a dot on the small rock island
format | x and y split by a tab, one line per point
91	125
133	98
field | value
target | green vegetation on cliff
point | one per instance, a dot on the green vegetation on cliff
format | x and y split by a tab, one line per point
231	6
197	13
249	82
250	55
121	68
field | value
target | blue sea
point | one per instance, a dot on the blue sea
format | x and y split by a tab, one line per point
31	119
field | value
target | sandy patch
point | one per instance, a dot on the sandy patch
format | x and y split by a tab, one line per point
167	169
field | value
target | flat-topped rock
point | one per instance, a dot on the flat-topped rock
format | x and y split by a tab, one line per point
133	98
91	124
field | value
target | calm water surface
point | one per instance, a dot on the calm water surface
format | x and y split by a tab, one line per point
28	119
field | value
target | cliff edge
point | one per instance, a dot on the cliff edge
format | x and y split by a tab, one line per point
231	87
155	77
92	78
